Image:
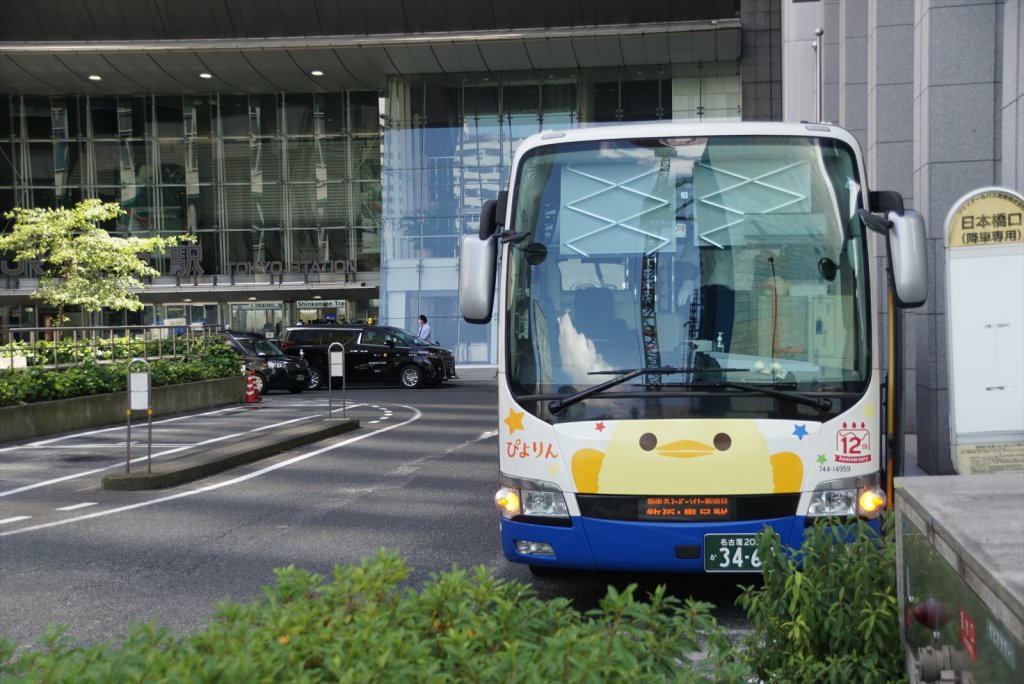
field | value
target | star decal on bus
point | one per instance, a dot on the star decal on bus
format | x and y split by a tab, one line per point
800	431
514	420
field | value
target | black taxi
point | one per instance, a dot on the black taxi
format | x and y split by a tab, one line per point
374	354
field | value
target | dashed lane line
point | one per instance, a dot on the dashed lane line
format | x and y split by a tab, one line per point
77	506
15	519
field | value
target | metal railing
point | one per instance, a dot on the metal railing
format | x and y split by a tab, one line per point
73	345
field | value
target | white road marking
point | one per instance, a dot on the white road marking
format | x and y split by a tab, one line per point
103	445
81	505
208	488
111	429
14	519
143	458
73	435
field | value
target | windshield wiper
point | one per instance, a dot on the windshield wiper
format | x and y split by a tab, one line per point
559	405
814	402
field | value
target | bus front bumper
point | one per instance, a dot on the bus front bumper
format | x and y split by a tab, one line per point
610	545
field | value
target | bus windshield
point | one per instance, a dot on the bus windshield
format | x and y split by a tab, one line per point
735	261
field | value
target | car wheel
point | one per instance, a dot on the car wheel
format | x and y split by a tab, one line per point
411	376
315	379
259	383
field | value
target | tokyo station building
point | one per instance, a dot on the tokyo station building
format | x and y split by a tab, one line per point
328	156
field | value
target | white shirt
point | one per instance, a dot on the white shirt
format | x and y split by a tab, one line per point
424	332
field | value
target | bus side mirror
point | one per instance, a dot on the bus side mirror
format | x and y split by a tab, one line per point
477	268
908	252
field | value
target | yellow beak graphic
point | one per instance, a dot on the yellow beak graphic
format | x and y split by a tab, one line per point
685	448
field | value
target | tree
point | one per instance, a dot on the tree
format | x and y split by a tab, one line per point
82	264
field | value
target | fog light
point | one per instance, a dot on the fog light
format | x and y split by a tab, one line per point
533	548
507	499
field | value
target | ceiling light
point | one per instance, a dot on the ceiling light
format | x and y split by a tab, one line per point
95	77
187	300
317	72
252	299
205	75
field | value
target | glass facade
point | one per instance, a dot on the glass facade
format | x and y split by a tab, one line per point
390	180
448	147
278	177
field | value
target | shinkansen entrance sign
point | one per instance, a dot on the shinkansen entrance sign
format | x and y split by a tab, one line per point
985	329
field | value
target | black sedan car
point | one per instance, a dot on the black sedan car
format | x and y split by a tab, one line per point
271	367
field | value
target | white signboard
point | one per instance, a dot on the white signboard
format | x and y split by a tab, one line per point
985	329
337	364
320	303
138	391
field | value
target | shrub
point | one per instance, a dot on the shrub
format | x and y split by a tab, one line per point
208	360
363	626
827	613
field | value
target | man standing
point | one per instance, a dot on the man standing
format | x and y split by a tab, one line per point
424	331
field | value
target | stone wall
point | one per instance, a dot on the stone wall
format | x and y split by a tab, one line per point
64	415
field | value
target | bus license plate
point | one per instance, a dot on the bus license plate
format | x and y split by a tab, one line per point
731	553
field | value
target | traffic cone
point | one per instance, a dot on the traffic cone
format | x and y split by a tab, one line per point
252	395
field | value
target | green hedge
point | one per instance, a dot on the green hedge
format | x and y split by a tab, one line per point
211	358
364	626
826	614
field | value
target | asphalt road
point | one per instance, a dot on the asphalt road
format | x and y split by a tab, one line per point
417	476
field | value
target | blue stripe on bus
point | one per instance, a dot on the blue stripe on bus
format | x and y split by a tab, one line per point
595	544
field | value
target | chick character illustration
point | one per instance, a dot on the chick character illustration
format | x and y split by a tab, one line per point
698	457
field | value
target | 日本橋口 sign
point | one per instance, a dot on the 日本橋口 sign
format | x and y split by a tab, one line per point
988	217
985	330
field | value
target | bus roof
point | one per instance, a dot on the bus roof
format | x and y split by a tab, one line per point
682	129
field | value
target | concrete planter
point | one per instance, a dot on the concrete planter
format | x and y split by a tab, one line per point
64	415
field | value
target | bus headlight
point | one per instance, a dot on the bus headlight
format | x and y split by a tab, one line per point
832	503
855	496
518	496
544	503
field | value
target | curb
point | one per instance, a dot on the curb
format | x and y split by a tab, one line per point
226	457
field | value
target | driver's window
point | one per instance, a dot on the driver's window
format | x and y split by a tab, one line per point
374	337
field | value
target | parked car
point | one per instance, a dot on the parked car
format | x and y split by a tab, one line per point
373	354
271	367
